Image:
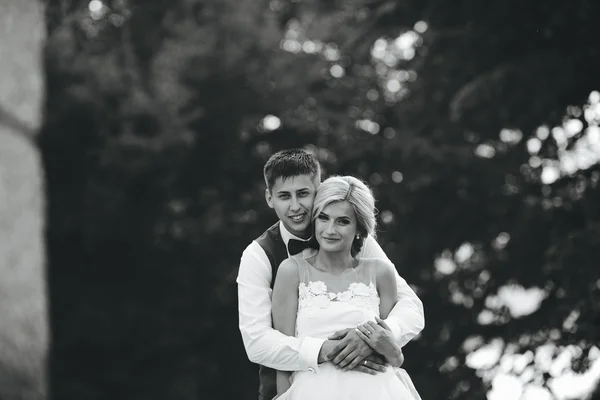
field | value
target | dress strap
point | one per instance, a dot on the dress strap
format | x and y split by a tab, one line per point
372	268
368	270
303	272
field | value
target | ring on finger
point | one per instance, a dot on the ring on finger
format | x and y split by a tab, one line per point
365	362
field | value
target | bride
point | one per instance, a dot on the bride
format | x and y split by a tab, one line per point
319	292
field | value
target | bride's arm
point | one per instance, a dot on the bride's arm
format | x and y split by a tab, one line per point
378	334
285	308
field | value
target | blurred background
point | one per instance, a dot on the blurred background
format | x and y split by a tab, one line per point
476	123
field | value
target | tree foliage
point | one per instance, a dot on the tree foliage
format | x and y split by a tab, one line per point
155	135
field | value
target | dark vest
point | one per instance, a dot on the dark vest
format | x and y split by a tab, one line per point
273	245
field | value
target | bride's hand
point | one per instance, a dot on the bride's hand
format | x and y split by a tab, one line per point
379	336
349	351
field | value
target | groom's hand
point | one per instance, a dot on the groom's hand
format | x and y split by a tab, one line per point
326	353
373	364
326	349
349	351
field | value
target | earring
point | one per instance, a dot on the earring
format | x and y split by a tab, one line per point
357	237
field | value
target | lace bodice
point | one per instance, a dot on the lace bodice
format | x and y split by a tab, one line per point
315	294
328	303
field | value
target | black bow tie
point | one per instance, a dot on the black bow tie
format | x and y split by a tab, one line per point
296	246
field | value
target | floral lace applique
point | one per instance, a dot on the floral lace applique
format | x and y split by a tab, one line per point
315	294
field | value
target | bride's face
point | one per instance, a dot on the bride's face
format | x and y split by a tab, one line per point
336	227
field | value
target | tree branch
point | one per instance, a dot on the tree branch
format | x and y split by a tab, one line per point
10	120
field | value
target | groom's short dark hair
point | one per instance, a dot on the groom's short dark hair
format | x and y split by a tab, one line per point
289	163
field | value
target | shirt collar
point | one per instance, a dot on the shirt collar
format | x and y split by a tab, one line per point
287	235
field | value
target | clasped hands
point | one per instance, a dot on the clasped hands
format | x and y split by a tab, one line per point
364	348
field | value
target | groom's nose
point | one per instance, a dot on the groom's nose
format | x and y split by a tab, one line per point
295	204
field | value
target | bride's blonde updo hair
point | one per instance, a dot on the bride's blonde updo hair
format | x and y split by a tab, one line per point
355	192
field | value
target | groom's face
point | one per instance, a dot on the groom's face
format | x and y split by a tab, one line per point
292	199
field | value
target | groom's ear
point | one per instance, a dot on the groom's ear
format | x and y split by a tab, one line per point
269	198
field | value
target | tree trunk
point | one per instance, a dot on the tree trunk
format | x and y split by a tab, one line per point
23	304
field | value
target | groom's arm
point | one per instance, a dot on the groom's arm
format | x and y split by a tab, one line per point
265	345
406	320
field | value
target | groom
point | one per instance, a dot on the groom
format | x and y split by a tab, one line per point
292	178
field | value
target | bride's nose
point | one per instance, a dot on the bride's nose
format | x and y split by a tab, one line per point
330	228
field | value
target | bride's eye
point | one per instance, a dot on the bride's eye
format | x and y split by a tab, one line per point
322	217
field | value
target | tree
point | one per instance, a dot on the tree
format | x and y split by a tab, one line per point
159	117
23	330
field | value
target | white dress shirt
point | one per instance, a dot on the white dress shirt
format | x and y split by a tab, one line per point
271	348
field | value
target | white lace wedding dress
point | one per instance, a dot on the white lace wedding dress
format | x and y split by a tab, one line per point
328	303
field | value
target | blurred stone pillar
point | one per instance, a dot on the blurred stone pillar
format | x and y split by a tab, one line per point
23	295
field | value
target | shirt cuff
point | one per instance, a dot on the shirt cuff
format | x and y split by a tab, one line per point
309	354
396	327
